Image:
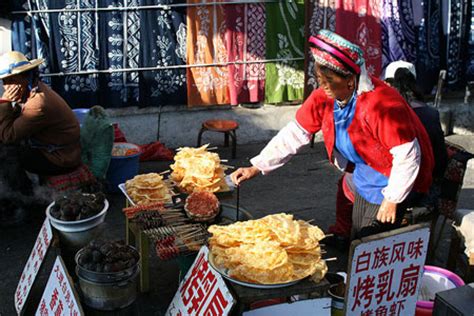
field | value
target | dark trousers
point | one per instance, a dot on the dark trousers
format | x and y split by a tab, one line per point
33	160
364	216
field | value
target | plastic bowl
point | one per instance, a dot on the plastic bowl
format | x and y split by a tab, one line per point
437	279
80	225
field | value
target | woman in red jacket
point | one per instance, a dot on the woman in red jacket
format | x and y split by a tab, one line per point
367	126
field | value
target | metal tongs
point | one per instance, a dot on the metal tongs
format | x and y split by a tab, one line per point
238	202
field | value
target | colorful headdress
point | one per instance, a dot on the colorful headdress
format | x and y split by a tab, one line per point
341	56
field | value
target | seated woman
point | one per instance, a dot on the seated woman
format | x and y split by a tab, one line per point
37	119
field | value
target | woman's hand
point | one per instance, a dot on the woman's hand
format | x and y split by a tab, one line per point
387	212
242	174
12	92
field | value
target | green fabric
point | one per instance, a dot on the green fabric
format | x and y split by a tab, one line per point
97	139
284	39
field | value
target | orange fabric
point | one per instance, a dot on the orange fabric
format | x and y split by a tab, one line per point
206	45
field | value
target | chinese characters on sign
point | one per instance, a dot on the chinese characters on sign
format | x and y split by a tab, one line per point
32	265
58	296
202	291
386	274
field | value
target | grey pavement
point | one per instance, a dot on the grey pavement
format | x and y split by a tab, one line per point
305	187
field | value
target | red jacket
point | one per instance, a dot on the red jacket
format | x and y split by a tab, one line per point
382	120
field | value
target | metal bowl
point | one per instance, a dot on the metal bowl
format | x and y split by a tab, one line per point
106	277
80	225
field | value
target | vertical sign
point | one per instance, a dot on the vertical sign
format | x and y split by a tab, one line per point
386	272
202	291
32	265
59	297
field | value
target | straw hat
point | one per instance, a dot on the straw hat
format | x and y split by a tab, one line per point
13	63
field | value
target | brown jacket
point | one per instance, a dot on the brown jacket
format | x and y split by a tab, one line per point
47	119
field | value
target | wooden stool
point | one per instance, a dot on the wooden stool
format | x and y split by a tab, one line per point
227	127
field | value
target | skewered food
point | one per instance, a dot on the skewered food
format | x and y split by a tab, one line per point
196	169
202	206
77	206
271	250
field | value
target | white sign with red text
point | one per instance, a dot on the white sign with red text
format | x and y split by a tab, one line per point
386	273
32	265
59	297
202	291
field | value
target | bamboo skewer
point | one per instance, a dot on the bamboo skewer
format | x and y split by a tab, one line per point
331	259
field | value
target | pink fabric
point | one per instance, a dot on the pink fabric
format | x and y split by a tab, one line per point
245	42
349	194
333	51
362	27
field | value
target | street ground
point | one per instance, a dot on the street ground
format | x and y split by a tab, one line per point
305	187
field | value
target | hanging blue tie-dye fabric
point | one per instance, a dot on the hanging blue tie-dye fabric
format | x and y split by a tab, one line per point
470	50
428	48
398	31
163	44
456	18
73	49
30	35
119	46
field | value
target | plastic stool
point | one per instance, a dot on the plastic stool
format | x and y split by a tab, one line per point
228	127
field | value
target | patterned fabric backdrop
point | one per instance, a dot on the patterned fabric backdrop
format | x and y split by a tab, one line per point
208	46
245	39
321	15
399	30
455	48
428	47
362	27
470	51
163	44
284	39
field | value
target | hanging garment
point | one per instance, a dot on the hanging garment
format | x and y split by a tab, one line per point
245	42
399	30
73	41
284	40
470	50
205	45
163	44
30	34
455	19
428	46
119	48
359	22
321	15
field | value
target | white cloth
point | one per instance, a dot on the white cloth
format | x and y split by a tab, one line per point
281	148
466	228
405	167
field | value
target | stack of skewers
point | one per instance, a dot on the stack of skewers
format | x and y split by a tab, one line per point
168	227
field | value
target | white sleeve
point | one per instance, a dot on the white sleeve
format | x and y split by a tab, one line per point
281	148
405	167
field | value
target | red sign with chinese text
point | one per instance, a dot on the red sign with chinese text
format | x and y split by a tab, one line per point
386	274
32	265
202	291
59	297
